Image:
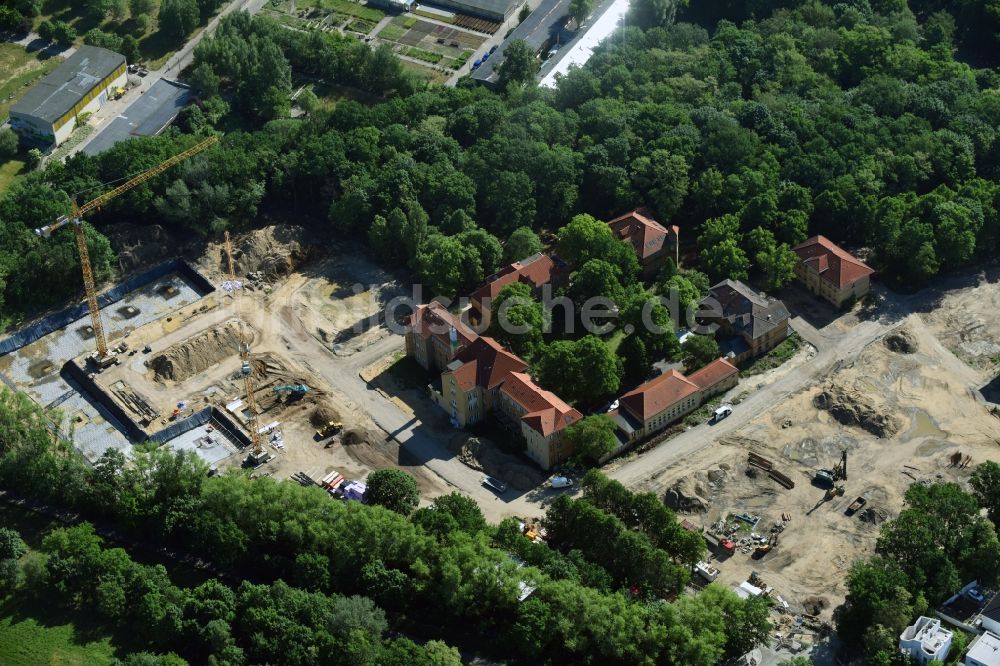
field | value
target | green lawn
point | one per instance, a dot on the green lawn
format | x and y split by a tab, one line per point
30	639
9	173
354	9
19	70
427	73
392	32
426	56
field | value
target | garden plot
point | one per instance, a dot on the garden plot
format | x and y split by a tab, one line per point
431	43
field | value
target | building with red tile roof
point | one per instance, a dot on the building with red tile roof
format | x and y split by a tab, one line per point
536	271
661	401
435	336
470	382
829	271
652	241
718	376
543	417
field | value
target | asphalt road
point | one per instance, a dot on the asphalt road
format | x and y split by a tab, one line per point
171	69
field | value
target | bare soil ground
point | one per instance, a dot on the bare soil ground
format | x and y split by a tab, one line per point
194	356
965	320
928	393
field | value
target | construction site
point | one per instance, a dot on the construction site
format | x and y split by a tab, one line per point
794	497
226	354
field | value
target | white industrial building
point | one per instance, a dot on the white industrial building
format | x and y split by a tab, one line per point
82	84
926	640
984	651
604	21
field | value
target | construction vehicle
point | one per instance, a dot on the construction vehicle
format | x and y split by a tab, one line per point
298	390
840	471
329	429
102	358
706	571
766	547
859	502
824	478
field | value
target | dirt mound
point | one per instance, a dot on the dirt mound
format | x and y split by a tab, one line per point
483	455
815	605
901	342
272	252
196	354
353	436
851	408
323	414
688	496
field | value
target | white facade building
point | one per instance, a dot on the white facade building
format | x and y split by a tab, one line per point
984	651
926	640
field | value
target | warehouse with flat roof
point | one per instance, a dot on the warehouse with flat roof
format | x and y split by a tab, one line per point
49	111
545	27
494	10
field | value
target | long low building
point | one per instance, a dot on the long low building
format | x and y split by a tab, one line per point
543	28
81	84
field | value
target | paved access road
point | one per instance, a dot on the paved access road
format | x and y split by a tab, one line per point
170	70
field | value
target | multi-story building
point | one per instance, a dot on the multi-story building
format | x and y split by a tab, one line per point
926	640
536	271
471	382
543	418
659	402
828	271
82	84
748	323
653	242
435	336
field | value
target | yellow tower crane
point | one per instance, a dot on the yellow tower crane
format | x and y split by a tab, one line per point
236	288
75	218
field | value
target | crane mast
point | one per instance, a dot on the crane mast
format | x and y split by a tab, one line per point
76	219
234	286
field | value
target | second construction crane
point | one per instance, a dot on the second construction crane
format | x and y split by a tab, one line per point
75	218
234	287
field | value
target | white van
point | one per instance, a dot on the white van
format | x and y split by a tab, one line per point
722	412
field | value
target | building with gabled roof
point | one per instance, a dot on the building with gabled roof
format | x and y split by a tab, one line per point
718	376
829	271
536	271
435	336
470	383
660	401
543	418
748	323
653	242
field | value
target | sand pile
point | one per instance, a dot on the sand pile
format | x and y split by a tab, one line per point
688	496
323	414
197	354
273	251
851	408
901	342
483	455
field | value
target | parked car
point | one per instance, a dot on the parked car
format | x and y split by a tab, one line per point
722	412
561	482
494	484
476	64
976	595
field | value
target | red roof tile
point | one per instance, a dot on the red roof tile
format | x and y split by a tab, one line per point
717	371
546	412
536	270
486	363
433	319
823	256
657	394
644	233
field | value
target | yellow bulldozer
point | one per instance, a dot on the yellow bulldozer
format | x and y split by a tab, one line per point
329	429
